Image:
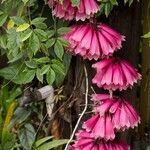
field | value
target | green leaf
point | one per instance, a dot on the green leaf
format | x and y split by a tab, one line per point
58	69
42	60
147	35
130	2
3	19
20	115
50	76
1	12
45	69
59	50
26	76
67	61
42	35
50	42
8	72
59	79
9	142
43	140
75	2
25	1
31	64
23	27
50	33
17	57
57	62
52	144
38	20
17	20
63	42
14	42
108	9
41	25
34	43
15	93
27	136
20	9
3	41
63	30
25	35
39	75
114	2
44	49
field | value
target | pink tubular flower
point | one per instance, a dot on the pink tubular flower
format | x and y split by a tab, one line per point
93	41
84	141
100	127
122	112
67	11
114	73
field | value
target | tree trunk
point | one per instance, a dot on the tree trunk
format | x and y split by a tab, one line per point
145	90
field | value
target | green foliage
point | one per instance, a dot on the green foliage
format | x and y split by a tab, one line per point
27	136
146	36
42	141
75	2
108	5
8	97
47	144
29	41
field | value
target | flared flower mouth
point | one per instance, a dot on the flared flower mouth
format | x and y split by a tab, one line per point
65	10
123	114
115	74
84	141
100	127
93	41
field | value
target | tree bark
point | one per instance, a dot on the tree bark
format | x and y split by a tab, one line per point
145	90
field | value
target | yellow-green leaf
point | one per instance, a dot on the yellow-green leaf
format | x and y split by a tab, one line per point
8	118
25	1
23	27
10	24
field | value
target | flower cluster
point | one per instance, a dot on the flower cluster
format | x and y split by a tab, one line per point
85	141
65	10
115	73
92	40
123	114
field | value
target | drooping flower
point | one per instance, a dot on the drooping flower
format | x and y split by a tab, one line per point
100	127
65	10
84	141
123	115
93	41
114	73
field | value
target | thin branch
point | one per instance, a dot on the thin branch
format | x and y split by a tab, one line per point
42	10
88	112
13	76
41	123
85	108
93	90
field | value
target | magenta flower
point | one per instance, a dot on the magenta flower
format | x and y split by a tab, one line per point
122	112
100	127
114	73
65	10
93	42
84	141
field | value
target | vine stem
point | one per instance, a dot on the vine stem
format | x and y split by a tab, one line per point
84	110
